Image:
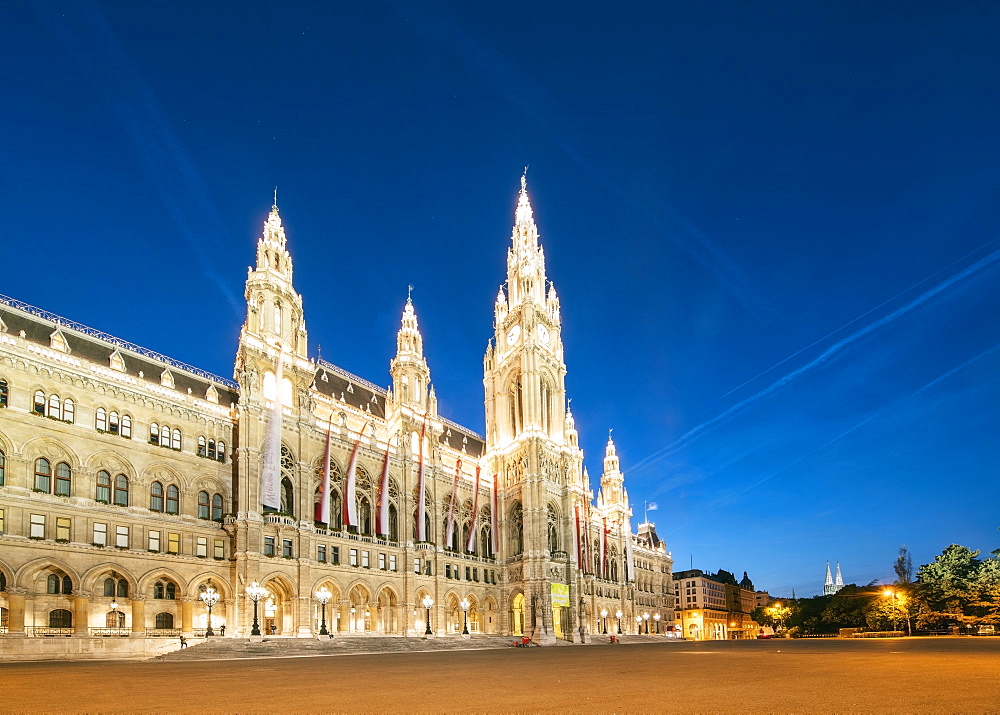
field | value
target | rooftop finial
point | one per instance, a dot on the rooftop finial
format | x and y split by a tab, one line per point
275	204
524	179
409	293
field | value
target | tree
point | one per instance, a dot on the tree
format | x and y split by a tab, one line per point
889	612
957	587
903	566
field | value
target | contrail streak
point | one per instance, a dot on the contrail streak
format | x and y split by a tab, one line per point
822	358
878	413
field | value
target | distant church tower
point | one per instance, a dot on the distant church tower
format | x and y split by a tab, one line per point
830	586
530	443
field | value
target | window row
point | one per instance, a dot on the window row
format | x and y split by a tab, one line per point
471	573
211	449
54	407
164	436
122	537
113	423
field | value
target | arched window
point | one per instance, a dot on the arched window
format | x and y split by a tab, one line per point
516	529
336	516
154	433
109	586
553	540
173	499
287	496
3	581
164	621
171	590
54	407
3	466
164	590
43	475
277	317
217	507
60	618
103	487
38	404
63	479
393	523
164	436
203	506
486	542
176	440
211	449
101	419
515	400
4	394
156	496
67	584
364	516
122	590
202	451
222	452
69	410
113	422
115	619
53	584
126	429
121	490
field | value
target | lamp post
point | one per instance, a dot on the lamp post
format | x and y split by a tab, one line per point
645	620
618	614
894	596
638	625
604	619
210	596
350	624
656	620
465	616
255	592
323	596
428	602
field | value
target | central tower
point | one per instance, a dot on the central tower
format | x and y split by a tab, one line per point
530	447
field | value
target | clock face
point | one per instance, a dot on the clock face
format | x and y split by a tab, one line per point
513	335
543	334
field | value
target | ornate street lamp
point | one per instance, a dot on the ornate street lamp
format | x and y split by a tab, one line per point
210	596
618	613
645	620
604	619
656	620
323	596
465	616
428	602
638	625
350	625
255	592
114	610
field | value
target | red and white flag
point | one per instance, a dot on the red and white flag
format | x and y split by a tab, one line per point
421	506
579	537
494	518
604	547
270	474
470	545
450	533
323	507
350	487
382	515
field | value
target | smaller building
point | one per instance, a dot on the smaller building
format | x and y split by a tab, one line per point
714	606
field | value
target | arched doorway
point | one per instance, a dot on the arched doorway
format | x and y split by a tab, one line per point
277	609
360	610
517	615
388	608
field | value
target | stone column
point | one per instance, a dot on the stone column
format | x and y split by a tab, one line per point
81	613
305	617
187	616
345	617
138	617
232	622
15	603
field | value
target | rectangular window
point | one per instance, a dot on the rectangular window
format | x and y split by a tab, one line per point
447	570
220	549
121	536
381	562
354	557
475	575
416	565
286	548
201	546
37	526
392	559
468	574
321	553
335	555
101	534
173	543
154	540
364	560
62	528
268	546
427	568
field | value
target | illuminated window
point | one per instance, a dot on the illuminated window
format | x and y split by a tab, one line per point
164	436
173	543
37	526
222	452
101	419
69	410
54	407
154	540
121	537
176	440
43	475
62	528
126	428
201	546
101	534
354	557
220	549
364	559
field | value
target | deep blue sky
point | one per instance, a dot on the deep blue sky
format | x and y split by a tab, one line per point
774	229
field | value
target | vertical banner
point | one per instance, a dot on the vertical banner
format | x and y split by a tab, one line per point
629	559
604	547
350	487
470	545
579	537
494	518
323	507
382	516
450	535
271	451
421	486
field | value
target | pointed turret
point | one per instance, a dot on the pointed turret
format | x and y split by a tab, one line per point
409	370
828	583
612	481
525	258
839	582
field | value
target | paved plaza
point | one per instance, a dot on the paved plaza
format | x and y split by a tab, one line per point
830	675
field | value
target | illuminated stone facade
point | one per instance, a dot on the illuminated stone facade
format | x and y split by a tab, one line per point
128	477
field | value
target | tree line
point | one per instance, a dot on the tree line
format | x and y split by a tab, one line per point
958	588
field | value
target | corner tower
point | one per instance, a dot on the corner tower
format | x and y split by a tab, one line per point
529	445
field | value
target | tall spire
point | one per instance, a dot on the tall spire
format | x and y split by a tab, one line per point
828	583
839	583
525	258
410	373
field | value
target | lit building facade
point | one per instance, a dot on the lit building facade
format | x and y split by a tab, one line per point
714	606
130	482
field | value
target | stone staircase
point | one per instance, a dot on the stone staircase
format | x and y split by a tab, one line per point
284	647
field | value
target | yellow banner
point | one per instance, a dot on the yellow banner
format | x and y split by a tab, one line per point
560	595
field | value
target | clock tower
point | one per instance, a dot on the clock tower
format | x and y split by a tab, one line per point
530	446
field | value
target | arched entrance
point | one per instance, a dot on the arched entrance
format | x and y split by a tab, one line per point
517	615
388	609
360	611
278	613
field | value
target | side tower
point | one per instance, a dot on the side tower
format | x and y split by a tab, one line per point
529	445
